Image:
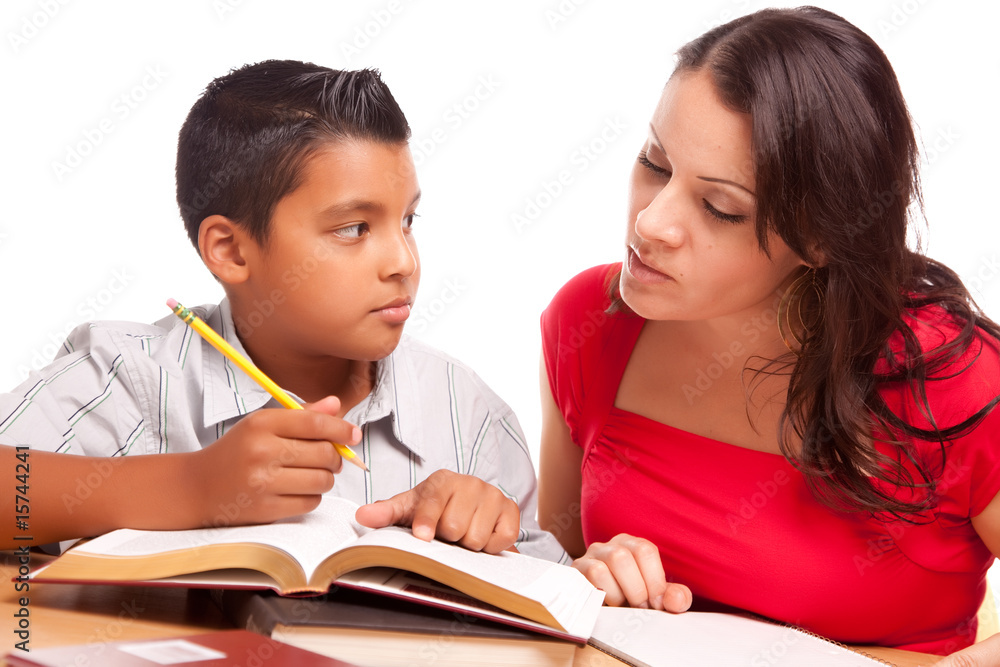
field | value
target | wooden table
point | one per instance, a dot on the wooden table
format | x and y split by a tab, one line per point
62	614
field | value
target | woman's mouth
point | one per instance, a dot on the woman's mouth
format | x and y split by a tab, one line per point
642	272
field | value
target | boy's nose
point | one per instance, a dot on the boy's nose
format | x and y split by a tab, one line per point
400	257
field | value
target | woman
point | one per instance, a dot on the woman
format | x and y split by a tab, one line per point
773	403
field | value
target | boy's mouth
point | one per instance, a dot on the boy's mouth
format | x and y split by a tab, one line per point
395	312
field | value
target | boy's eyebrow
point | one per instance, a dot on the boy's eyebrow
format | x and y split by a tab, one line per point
352	205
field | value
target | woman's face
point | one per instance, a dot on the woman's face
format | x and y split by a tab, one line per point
691	245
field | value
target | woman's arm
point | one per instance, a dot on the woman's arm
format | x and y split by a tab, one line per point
559	476
987	652
627	569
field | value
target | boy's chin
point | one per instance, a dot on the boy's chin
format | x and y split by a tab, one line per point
380	349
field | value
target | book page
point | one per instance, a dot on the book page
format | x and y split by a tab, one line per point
650	638
413	586
308	538
562	590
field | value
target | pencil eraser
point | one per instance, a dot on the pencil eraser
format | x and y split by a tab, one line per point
171	303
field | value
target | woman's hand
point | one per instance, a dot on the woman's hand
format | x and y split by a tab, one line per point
984	654
629	571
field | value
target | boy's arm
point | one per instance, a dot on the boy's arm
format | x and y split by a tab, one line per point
79	496
272	464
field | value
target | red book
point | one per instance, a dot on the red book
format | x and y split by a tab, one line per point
228	648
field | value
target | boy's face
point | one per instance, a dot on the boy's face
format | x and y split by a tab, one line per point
339	271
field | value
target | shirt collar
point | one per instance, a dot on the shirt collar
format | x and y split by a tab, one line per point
396	383
230	393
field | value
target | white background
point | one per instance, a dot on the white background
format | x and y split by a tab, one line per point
514	91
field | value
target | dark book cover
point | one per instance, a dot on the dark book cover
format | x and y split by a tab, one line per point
260	612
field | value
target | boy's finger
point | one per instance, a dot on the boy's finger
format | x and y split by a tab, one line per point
395	511
294	481
505	530
456	521
426	510
309	454
329	405
310	425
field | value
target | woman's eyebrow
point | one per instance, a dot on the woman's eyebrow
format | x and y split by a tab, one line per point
710	179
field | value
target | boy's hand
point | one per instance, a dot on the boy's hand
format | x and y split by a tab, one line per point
453	508
273	464
629	571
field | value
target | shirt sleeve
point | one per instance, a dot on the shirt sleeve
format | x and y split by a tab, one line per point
82	403
507	464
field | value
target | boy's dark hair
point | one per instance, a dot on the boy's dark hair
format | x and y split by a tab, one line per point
245	141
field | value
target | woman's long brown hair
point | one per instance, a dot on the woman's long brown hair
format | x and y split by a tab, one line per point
835	163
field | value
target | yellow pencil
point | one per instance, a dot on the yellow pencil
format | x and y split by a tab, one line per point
219	343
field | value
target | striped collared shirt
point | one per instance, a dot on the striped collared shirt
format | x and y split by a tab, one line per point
120	388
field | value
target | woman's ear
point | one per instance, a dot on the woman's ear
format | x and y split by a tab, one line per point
817	258
223	245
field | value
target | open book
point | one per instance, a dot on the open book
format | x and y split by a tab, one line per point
650	638
307	554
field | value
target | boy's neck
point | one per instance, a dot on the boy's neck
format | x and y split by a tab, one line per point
350	380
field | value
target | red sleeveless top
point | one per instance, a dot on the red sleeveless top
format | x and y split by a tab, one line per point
741	528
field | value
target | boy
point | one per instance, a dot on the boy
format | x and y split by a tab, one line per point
297	186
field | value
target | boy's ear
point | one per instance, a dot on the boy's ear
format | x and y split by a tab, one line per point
223	245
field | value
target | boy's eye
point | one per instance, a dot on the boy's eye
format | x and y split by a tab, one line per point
352	232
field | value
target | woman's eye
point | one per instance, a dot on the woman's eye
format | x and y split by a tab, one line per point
655	168
352	232
408	220
731	218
